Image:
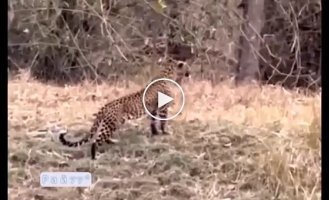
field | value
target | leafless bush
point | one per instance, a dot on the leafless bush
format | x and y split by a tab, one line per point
292	42
79	39
68	39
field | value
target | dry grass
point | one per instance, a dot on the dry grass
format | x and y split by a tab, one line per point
230	143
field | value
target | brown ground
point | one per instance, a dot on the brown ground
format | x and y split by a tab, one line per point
229	143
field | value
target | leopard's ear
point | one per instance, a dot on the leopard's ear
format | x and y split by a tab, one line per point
180	65
164	61
160	61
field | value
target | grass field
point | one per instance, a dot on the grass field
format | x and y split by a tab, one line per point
230	142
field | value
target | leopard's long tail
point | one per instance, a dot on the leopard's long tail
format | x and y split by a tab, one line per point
84	140
78	143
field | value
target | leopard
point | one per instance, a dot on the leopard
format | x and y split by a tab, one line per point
115	113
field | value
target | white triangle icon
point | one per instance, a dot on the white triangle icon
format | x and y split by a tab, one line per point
163	99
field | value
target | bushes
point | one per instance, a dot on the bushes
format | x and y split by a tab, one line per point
85	39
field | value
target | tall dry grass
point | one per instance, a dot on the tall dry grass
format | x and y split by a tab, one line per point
286	122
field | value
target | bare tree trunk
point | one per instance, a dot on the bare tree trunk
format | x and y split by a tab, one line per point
10	14
248	69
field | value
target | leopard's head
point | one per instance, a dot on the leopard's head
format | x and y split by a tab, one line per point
176	70
182	70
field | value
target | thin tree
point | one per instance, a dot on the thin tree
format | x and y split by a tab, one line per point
248	67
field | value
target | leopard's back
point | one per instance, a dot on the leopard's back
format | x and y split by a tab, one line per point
130	107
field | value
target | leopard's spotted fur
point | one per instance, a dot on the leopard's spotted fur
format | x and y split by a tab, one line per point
130	107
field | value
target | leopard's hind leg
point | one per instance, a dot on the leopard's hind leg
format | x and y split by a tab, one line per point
93	150
109	125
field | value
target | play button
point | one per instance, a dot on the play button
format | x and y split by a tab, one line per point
162	98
